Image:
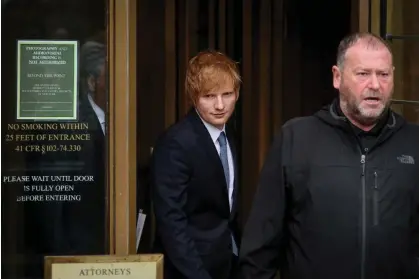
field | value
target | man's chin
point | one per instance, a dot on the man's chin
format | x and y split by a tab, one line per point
370	116
219	123
369	112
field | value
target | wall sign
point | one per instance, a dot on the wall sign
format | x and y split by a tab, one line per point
47	77
107	266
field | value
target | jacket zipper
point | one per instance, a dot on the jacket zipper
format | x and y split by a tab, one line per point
375	200
364	218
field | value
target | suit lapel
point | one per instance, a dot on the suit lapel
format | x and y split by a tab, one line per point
96	147
88	115
206	140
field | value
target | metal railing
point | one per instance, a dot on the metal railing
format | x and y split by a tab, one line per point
404	102
383	26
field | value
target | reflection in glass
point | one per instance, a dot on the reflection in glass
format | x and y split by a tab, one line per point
403	22
54	190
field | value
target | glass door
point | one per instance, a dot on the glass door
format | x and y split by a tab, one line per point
55	132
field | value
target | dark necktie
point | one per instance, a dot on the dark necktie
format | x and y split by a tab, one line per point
223	155
224	160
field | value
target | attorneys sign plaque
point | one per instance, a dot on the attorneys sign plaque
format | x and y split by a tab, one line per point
109	266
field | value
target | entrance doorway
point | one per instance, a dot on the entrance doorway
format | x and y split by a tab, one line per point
285	50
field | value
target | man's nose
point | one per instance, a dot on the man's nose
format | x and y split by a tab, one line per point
374	82
219	103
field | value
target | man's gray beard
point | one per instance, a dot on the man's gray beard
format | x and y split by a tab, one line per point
356	114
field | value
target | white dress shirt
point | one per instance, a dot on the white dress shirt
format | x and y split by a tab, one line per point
99	112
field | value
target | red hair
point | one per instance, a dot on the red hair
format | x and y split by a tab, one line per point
209	70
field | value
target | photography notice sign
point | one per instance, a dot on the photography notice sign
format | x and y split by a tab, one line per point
47	80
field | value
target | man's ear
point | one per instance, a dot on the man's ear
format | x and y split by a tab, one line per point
91	83
237	95
337	77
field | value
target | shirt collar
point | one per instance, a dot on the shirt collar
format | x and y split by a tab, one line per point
99	112
212	130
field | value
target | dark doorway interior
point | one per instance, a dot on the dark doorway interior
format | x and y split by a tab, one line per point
314	29
311	33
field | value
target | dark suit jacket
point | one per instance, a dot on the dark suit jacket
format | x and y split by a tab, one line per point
77	227
191	204
61	227
85	222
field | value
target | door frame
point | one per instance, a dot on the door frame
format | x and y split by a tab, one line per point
361	14
122	167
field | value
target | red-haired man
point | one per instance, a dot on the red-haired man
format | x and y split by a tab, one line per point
194	177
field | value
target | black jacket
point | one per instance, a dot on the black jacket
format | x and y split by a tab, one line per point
326	208
193	218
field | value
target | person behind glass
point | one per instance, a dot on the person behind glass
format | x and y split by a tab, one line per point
77	227
338	196
194	176
93	79
85	221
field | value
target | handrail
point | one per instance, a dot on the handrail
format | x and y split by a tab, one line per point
404	102
391	37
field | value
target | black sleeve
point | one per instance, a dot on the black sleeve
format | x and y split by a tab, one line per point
415	225
170	174
260	248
